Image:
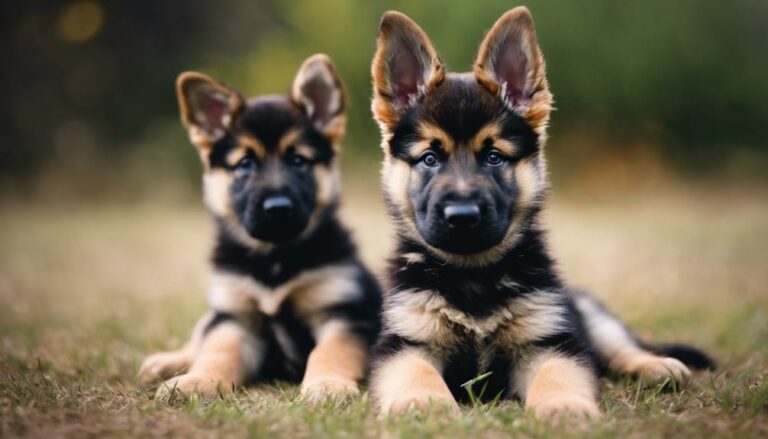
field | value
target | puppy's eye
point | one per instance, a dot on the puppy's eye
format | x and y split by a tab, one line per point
298	161
494	158
246	163
429	160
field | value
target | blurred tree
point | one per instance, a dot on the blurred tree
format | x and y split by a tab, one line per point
87	78
100	72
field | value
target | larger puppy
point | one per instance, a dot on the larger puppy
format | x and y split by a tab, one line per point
289	298
473	287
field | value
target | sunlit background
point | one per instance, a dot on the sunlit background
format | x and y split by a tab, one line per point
646	92
658	155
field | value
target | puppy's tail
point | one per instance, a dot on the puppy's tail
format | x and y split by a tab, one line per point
689	355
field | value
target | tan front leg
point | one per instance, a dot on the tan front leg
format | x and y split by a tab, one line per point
334	367
561	385
219	367
408	379
164	365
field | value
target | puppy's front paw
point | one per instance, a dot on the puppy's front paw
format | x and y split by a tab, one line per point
319	390
163	365
654	370
189	384
419	400
573	405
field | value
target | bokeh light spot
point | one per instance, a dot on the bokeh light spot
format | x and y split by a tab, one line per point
80	21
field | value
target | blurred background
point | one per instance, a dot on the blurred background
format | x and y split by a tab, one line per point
647	93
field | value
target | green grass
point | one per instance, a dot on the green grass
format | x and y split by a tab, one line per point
87	291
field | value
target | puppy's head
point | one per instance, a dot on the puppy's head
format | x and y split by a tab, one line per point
463	167
270	172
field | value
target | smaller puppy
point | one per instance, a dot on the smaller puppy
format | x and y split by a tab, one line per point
289	298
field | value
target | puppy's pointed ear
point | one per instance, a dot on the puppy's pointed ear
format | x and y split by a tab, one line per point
317	89
405	68
510	64
208	107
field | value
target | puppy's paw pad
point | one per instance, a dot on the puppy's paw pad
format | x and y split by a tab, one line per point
568	405
321	390
420	401
656	370
161	366
189	384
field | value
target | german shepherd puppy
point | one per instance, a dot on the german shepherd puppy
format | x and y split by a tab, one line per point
473	288
289	298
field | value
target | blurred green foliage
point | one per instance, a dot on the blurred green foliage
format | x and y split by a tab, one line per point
88	84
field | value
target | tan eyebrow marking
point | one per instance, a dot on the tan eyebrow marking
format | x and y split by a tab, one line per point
287	140
236	155
429	133
492	131
306	151
244	144
291	140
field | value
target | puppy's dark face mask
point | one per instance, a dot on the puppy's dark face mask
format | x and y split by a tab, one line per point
464	167
270	169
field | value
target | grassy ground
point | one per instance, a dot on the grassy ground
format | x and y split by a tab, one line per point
87	291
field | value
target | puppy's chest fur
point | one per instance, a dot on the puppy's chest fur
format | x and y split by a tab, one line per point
425	316
444	307
306	292
309	276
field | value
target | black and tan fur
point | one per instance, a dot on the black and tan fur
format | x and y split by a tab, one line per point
289	298
472	286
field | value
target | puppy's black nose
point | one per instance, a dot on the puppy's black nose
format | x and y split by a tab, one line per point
464	215
277	206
